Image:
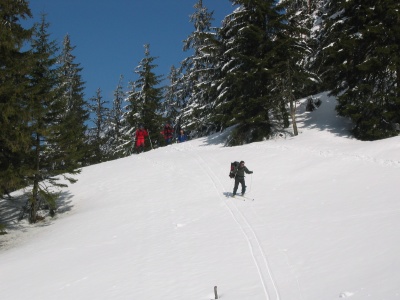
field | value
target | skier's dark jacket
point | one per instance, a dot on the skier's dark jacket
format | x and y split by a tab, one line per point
239	171
167	132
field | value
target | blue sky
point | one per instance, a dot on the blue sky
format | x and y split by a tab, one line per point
109	35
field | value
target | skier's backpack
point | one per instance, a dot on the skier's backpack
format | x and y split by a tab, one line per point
232	173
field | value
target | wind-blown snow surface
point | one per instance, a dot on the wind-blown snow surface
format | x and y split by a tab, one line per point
324	223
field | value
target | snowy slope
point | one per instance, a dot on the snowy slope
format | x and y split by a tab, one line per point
324	223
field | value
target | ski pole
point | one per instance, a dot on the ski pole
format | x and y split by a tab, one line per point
251	181
150	141
133	143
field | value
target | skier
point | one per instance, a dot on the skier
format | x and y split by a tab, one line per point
167	132
239	177
182	137
140	134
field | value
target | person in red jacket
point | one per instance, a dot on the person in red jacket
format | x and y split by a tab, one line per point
140	135
167	133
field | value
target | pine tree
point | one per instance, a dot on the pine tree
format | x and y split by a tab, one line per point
305	20
314	22
131	118
174	101
293	75
363	64
253	39
146	99
75	114
115	123
200	72
98	133
15	66
44	109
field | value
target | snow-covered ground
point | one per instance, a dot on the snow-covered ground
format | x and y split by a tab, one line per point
324	223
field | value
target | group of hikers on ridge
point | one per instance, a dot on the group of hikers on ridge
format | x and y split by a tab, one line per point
168	134
238	169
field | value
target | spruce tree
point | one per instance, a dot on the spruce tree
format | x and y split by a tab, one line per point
115	122
315	23
44	109
130	121
253	38
15	66
363	64
305	19
146	100
75	113
173	98
98	133
200	71
293	75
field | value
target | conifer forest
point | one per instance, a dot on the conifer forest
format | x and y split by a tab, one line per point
249	72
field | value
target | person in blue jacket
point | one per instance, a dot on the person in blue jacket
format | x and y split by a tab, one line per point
182	137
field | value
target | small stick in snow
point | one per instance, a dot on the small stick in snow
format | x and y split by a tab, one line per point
215	292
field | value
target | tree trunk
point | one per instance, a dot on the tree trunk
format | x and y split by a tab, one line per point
292	104
36	179
398	80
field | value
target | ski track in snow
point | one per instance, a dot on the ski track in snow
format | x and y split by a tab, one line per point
257	253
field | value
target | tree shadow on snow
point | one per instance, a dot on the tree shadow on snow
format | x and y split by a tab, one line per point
218	138
11	209
323	118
